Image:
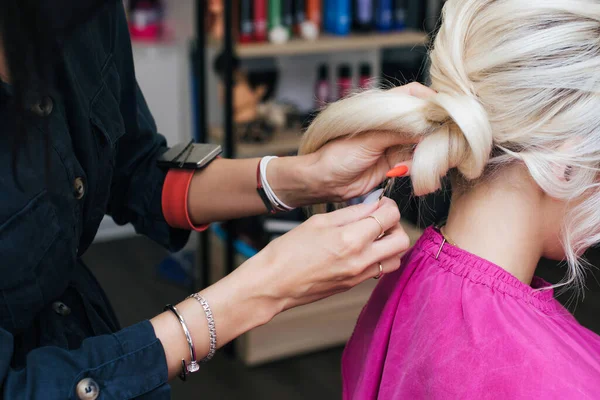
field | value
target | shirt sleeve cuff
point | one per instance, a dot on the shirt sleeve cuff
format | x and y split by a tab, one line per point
175	200
136	364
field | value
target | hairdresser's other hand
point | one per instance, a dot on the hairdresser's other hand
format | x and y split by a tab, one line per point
328	254
348	168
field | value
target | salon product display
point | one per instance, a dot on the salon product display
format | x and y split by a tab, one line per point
280	20
344	82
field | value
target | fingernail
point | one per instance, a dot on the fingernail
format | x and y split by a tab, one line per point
397	171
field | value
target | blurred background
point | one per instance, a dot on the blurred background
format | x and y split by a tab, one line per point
250	75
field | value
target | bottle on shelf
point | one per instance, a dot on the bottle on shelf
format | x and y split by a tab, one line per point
363	15
260	20
341	20
287	14
365	80
314	12
322	87
274	14
278	32
246	22
399	14
338	17
328	15
299	16
383	15
344	81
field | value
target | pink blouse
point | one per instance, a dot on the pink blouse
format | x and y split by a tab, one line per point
460	327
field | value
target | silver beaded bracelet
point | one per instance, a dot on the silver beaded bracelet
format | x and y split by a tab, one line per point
211	326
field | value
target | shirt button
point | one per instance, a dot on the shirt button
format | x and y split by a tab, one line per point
87	389
61	308
44	107
79	188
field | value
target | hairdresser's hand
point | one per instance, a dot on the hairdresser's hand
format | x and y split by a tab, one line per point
348	168
328	254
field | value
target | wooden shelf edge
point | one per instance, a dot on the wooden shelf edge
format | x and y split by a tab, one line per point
331	43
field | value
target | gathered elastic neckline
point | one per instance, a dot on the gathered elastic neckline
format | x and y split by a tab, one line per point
480	271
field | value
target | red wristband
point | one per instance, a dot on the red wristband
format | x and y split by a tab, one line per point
175	200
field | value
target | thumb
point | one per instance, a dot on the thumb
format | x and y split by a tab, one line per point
381	141
415	89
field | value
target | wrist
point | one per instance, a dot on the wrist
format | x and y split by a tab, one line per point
260	287
294	181
243	298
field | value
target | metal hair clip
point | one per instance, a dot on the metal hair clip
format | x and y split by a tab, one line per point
387	188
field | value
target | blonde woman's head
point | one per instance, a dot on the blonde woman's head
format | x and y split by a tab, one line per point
518	82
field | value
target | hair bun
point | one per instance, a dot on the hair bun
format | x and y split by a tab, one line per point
463	140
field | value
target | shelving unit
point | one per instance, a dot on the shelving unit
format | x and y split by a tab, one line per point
284	142
330	43
293	331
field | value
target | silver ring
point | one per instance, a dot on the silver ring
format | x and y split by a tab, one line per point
380	225
380	272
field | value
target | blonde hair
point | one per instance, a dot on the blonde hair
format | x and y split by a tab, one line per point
517	81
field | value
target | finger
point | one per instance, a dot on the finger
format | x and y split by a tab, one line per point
393	244
348	215
415	89
388	266
368	229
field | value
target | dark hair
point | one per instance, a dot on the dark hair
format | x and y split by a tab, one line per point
31	31
262	72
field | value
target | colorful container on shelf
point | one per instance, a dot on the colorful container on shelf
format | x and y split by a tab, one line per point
384	20
279	20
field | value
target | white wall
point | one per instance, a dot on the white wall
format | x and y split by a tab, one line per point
163	73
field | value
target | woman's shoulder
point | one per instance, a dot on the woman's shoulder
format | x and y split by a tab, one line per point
438	321
469	298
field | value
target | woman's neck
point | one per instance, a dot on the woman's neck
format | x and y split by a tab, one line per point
501	222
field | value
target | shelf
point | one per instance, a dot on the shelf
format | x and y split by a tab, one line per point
281	144
330	43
